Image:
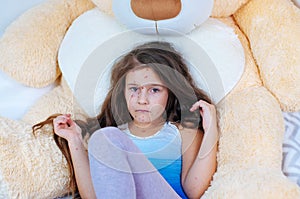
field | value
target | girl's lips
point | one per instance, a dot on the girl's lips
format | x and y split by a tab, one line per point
143	111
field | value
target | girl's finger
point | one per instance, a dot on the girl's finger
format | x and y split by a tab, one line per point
61	119
65	122
70	122
195	106
199	104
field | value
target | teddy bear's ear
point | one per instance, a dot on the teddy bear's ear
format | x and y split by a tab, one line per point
29	46
225	8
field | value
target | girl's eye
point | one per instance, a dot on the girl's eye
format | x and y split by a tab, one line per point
133	89
155	90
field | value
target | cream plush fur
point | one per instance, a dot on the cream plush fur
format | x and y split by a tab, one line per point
250	119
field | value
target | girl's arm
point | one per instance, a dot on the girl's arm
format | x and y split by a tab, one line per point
199	164
69	130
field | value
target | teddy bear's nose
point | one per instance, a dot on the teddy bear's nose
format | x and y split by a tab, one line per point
164	17
156	9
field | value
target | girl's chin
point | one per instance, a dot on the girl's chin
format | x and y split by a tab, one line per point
146	121
142	121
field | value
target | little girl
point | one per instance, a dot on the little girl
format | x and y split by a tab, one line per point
149	137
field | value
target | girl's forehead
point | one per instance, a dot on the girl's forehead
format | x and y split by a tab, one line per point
143	76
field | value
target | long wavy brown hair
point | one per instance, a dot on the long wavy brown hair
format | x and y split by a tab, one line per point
169	65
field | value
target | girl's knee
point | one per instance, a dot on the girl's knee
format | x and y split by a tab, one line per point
112	134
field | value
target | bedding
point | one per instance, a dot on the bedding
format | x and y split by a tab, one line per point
291	147
16	98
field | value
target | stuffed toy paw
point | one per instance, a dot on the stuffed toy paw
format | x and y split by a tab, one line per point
253	49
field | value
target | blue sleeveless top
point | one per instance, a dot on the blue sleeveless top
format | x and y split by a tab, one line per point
163	149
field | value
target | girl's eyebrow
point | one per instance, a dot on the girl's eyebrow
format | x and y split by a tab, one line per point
149	84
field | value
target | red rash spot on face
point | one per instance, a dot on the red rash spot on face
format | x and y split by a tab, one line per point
196	178
146	76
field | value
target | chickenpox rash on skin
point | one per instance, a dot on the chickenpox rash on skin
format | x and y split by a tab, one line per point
146	76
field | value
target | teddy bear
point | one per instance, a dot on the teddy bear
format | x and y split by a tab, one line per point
250	113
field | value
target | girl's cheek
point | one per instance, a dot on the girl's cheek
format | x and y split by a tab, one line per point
155	97
132	97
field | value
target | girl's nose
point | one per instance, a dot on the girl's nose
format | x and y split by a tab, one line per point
143	97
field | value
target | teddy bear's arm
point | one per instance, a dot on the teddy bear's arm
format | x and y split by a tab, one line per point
29	46
273	29
250	144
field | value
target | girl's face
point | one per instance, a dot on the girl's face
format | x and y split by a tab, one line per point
146	96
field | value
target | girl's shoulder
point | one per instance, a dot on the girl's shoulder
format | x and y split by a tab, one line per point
176	124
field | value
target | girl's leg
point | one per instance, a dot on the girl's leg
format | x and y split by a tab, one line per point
120	170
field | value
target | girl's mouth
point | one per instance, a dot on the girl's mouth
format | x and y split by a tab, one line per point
142	111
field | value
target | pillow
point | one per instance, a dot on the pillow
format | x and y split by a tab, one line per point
213	53
291	147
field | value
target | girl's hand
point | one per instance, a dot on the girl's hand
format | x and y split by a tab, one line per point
66	128
208	113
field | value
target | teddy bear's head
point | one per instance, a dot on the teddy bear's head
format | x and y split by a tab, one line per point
206	49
